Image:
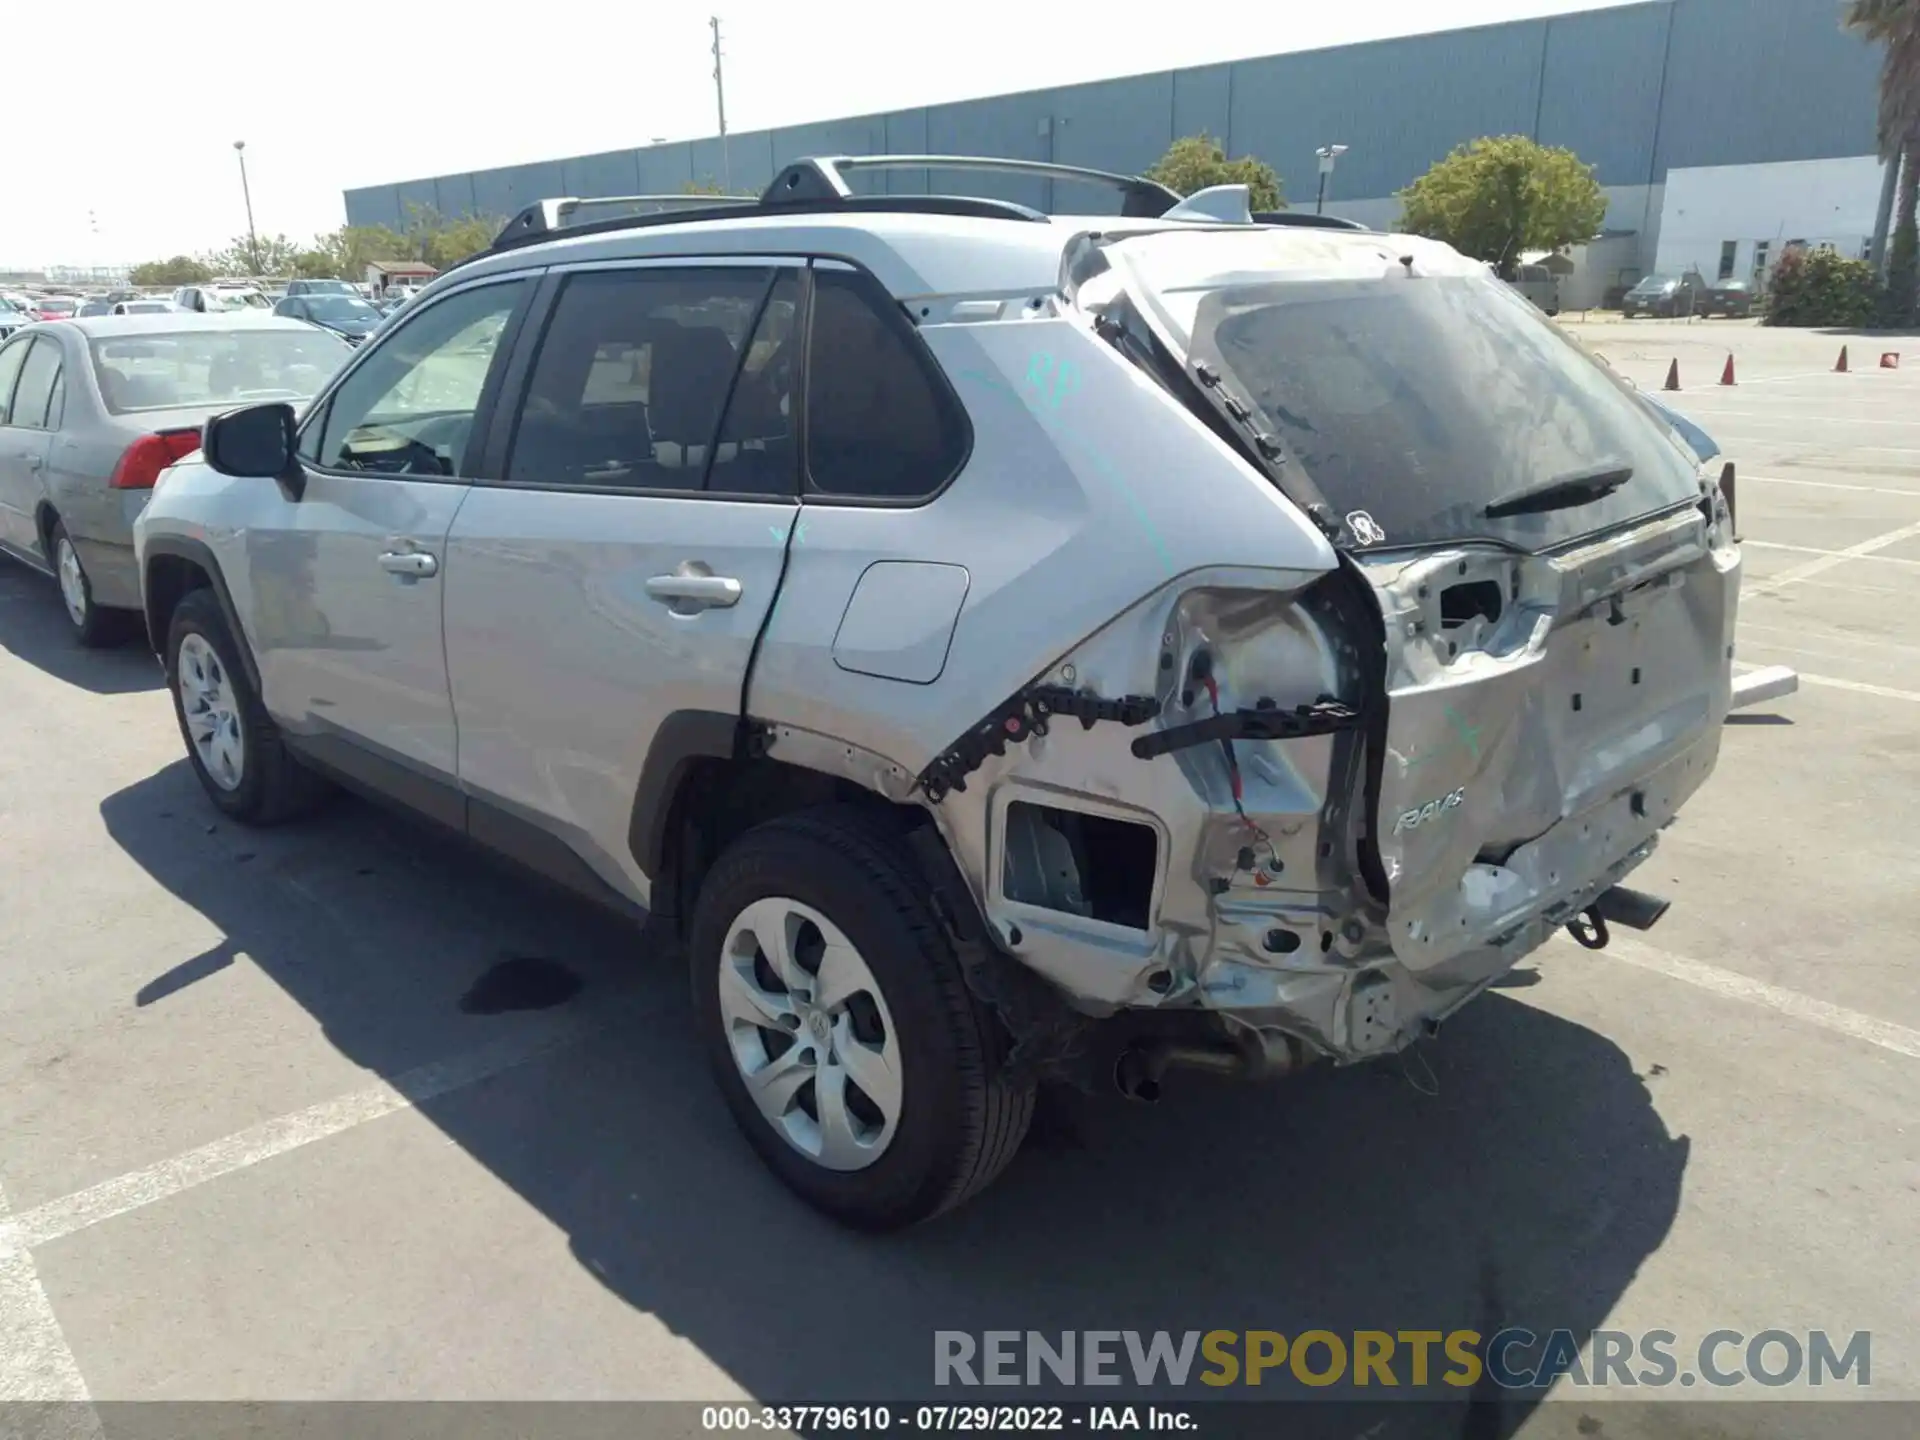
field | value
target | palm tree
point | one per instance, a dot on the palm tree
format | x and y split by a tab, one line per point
1895	25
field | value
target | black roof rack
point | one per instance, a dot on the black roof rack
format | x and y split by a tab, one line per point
817	185
1307	220
823	177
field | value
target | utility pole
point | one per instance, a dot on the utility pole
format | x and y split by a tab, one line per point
1328	155
720	99
253	240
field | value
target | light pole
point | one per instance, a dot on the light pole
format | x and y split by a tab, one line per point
253	240
1328	154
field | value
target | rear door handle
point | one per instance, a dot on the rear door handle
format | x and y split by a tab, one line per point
719	591
415	563
33	459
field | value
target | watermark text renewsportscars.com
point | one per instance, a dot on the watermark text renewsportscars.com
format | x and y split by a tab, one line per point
1513	1359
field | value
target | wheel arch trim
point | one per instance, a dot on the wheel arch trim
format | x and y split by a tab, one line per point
200	555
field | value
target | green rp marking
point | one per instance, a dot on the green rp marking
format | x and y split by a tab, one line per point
1051	382
1467	735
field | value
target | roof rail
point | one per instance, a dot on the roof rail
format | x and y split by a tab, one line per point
823	177
545	218
1306	220
538	221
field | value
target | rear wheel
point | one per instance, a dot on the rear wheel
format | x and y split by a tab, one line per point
234	746
93	625
840	1027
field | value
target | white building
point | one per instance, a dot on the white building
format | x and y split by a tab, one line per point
1734	220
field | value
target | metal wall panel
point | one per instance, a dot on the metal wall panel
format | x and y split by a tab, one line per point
1400	104
1110	126
1735	82
374	205
417	195
1019	127
1752	81
616	172
1201	102
1600	95
453	195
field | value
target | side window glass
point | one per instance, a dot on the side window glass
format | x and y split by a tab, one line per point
57	402
11	359
631	376
407	408
881	423
37	375
756	454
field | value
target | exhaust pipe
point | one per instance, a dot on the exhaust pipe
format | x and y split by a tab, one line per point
1634	909
1139	1072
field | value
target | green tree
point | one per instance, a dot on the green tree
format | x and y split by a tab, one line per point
248	255
441	240
1895	25
180	270
1197	161
1498	196
1820	287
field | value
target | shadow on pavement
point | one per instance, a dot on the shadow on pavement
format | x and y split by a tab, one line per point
34	627
1526	1188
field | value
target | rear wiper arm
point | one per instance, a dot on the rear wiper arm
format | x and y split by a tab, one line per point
1562	492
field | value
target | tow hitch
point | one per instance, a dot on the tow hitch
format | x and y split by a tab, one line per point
1634	909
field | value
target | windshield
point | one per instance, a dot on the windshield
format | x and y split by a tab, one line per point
1421	402
1654	284
147	307
94	307
212	367
340	308
327	287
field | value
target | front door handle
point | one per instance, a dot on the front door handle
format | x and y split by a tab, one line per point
719	591
416	564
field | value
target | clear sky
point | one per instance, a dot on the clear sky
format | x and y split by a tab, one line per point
137	161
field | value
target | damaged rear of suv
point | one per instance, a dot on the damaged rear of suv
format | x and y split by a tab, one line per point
1005	647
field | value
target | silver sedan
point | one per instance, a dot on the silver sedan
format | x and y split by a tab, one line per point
92	410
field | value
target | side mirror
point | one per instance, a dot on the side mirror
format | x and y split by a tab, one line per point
256	442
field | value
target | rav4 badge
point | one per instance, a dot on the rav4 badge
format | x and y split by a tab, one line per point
1414	819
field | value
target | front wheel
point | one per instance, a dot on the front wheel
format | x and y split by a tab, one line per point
233	744
840	1027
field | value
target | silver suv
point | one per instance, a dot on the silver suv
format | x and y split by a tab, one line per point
1003	645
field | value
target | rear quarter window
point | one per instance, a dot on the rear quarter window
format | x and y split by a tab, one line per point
882	422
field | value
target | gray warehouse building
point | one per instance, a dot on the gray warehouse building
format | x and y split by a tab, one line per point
1723	130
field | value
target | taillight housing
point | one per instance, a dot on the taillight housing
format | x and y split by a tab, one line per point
143	461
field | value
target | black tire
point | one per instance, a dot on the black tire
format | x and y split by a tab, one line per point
962	1118
273	786
96	626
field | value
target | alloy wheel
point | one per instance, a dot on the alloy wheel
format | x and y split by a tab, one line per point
212	712
810	1033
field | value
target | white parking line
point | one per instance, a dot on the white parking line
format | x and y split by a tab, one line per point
1746	544
1841	1021
1793	574
1829	485
36	1363
140	1188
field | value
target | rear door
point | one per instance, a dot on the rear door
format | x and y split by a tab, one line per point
619	571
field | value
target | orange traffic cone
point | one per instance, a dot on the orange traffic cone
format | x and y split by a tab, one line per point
1673	376
1840	366
1726	375
1890	360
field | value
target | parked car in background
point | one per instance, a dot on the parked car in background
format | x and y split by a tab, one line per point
347	316
1663	296
321	287
55	307
13	314
91	305
143	305
1180	664
1730	297
219	299
92	410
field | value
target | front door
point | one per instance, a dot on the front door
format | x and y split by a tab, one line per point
622	568
347	591
23	454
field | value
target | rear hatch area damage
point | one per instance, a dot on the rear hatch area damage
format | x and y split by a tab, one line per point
1311	816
